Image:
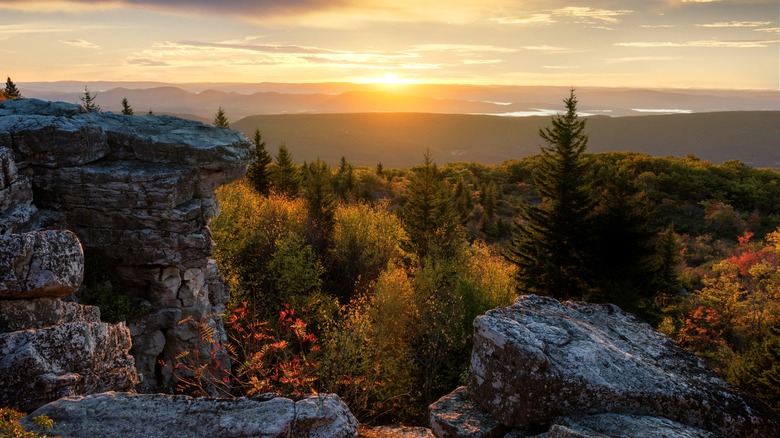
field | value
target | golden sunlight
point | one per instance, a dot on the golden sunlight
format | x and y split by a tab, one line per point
387	79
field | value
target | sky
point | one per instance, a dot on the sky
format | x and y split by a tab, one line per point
728	44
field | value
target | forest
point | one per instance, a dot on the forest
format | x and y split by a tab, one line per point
364	281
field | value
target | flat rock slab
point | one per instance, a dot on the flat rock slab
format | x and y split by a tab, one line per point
541	359
157	415
455	416
623	425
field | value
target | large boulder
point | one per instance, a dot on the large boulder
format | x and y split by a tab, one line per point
541	359
157	415
51	349
138	191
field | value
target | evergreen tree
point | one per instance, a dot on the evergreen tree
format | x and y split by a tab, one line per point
11	92
380	169
285	176
463	202
321	204
126	108
429	216
345	179
88	101
258	173
624	262
220	119
551	241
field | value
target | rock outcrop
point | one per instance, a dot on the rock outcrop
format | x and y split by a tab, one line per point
540	360
138	192
157	415
50	348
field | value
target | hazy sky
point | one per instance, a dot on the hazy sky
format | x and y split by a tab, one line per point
640	43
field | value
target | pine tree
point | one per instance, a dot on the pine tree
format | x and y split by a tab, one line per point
345	179
220	120
551	241
429	216
285	176
321	204
88	101
463	201
11	92
625	267
258	173
126	108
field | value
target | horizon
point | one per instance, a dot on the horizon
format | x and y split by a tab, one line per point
659	44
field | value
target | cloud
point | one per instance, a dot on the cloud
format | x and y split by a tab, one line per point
593	14
84	44
579	14
461	48
745	44
146	62
530	19
481	61
736	24
552	49
560	67
309	13
640	59
220	54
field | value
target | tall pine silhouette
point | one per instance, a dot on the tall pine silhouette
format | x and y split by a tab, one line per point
551	240
258	174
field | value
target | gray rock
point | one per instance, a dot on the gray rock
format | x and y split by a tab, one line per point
623	425
18	315
78	357
540	359
138	191
455	416
40	264
157	415
395	432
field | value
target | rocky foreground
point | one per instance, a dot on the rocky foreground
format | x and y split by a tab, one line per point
542	365
137	194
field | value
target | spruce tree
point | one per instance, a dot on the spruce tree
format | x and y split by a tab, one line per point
321	204
429	214
258	173
624	262
345	179
88	101
550	241
220	120
285	176
11	92
126	108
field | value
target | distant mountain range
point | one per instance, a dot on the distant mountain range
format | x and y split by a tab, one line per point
396	124
242	100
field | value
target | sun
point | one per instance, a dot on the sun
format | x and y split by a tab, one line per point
386	79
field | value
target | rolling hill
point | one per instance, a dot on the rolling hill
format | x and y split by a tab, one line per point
401	139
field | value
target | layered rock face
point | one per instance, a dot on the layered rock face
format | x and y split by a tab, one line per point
542	363
138	191
50	348
156	415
